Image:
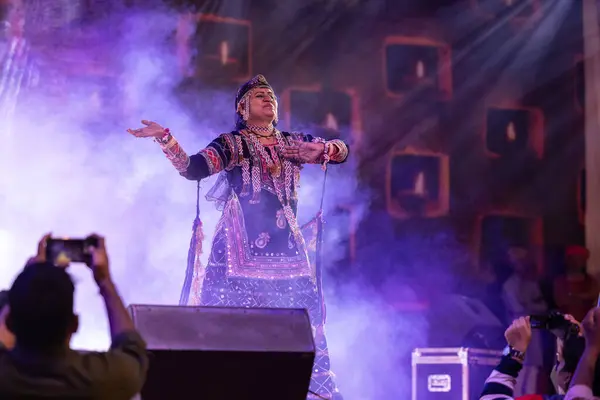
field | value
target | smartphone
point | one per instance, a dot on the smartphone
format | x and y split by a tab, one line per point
598	302
61	251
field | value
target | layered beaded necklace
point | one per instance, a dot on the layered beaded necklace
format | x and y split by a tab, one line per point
274	164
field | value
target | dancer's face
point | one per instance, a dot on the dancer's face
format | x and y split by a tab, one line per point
263	105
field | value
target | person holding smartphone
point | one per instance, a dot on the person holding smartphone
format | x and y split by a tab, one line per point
41	316
501	383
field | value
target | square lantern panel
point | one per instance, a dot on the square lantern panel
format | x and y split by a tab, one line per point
579	84
417	184
517	9
497	233
328	114
215	49
514	132
416	65
581	195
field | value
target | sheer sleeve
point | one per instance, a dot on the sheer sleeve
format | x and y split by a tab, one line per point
222	153
338	149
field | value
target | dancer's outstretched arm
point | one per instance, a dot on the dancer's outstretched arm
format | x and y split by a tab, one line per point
217	156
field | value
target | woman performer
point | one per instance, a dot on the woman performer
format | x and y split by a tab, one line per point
259	256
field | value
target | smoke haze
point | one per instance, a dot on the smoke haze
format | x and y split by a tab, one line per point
71	168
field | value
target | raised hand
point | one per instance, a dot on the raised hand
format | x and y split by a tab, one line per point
591	329
518	334
98	262
304	152
40	256
572	319
152	129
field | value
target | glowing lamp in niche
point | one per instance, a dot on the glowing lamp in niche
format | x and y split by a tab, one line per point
417	184
416	65
406	66
420	72
215	48
329	114
331	123
513	132
224	53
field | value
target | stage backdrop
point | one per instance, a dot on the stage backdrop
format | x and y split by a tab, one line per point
466	120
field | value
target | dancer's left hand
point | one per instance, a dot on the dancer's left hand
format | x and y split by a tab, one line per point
304	152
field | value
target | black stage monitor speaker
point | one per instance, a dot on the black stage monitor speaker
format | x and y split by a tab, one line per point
219	353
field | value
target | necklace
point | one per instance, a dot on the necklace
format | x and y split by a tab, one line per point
283	184
272	161
262	131
262	136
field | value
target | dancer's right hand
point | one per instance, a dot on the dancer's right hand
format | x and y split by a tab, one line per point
152	129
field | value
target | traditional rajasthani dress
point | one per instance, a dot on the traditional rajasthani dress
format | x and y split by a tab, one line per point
259	256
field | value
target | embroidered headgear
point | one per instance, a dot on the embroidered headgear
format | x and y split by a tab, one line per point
257	81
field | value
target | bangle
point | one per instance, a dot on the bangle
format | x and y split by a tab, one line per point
514	353
326	158
164	139
325	152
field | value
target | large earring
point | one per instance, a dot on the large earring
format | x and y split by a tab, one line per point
276	117
246	111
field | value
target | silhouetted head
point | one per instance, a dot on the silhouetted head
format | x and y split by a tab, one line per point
40	304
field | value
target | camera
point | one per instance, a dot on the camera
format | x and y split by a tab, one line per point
556	323
65	250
